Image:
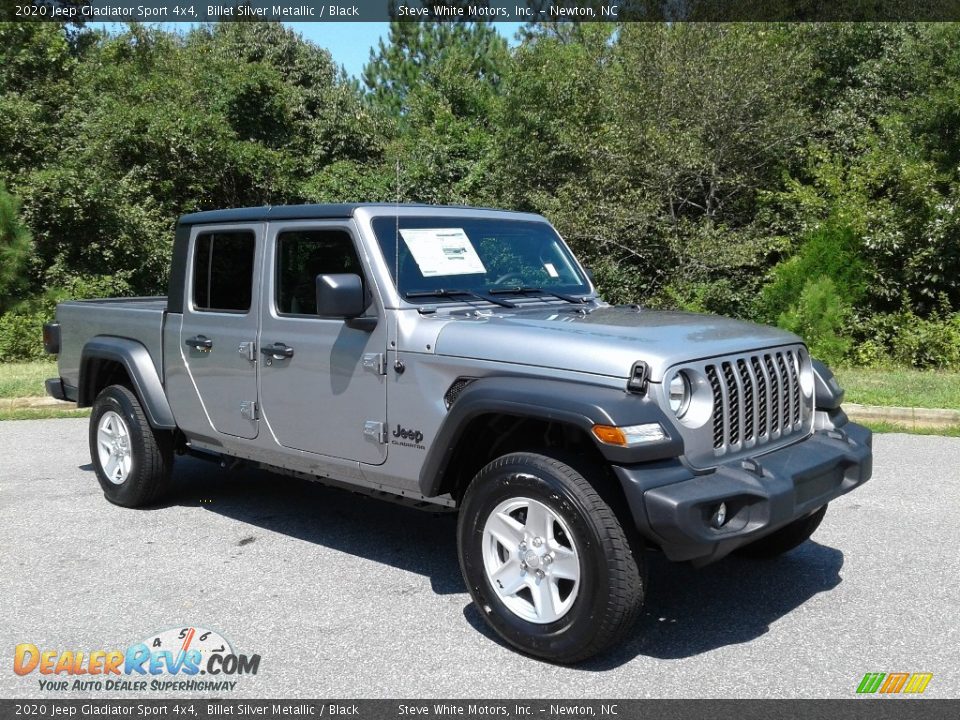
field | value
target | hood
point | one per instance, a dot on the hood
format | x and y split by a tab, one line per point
607	341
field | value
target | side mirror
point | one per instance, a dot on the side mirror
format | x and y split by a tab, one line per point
341	296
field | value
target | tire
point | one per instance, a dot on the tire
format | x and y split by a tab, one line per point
786	538
133	462
518	500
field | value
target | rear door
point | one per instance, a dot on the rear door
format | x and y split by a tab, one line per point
326	391
220	317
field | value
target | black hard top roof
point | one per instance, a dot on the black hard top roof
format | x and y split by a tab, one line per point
297	212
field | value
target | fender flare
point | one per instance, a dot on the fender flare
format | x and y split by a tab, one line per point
562	401
136	359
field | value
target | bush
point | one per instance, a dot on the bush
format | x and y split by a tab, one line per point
831	251
716	297
21	329
905	339
617	282
928	343
819	318
21	336
870	354
15	249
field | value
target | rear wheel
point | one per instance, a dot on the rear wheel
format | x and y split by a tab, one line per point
786	538
133	461
546	559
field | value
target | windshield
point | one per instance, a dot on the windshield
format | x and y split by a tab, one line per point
476	256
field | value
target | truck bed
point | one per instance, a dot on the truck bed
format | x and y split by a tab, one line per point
139	319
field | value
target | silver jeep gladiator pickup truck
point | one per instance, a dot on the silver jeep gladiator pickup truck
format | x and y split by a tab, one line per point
459	358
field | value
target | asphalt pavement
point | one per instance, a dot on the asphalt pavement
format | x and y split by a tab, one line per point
343	596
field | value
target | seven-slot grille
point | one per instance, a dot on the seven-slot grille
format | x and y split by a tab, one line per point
756	398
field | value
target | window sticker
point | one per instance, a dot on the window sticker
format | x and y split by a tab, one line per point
551	270
443	251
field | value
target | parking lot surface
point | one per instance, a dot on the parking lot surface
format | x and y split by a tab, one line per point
343	596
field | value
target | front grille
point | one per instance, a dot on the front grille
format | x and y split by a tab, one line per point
756	399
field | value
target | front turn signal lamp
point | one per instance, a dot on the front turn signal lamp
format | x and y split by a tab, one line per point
630	435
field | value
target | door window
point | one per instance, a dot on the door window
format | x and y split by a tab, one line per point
301	256
223	272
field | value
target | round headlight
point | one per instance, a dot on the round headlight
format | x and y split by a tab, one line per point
678	392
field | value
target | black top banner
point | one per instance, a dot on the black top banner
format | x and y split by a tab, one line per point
529	11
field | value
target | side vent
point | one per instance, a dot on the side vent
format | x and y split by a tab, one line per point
453	392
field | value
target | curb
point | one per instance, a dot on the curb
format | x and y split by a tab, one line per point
35	402
911	417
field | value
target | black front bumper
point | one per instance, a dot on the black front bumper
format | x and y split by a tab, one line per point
672	505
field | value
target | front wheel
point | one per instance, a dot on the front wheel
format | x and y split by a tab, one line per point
133	461
546	559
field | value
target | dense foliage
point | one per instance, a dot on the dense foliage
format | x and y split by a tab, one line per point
806	175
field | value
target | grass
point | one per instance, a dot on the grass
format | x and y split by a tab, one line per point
901	388
885	427
25	379
42	413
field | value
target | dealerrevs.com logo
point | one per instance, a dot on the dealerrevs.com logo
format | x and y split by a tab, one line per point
189	659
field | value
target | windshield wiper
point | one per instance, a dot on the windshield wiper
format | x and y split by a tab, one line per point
446	293
528	290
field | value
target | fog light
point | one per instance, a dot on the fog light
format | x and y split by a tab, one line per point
720	516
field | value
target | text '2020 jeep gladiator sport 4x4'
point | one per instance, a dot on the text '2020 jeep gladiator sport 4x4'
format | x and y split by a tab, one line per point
460	358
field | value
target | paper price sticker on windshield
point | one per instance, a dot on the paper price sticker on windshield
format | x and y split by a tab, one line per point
443	251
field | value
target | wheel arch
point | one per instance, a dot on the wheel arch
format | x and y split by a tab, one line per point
517	409
107	360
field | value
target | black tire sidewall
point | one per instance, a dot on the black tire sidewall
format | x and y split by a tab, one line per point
577	628
130	490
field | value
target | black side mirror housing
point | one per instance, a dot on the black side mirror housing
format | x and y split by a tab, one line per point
341	296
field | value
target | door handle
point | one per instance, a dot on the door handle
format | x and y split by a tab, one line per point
278	351
199	342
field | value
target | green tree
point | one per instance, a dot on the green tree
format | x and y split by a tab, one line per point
15	248
413	53
157	124
650	146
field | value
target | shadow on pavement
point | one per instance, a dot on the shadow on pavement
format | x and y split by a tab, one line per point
692	611
402	537
687	611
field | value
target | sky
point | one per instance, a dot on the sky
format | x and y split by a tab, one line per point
348	42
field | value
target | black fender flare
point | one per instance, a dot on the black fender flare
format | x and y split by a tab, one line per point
136	359
828	394
561	401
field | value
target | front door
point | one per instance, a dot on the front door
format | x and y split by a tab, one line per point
322	383
220	325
